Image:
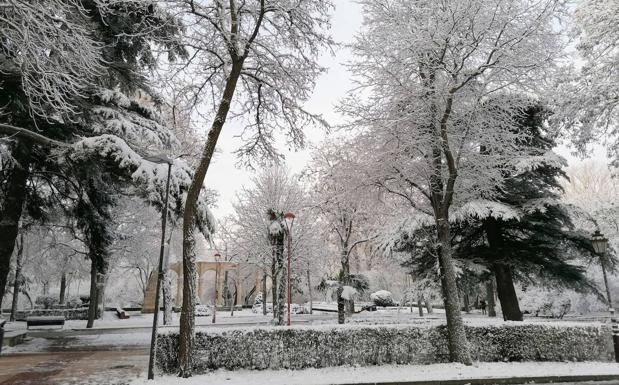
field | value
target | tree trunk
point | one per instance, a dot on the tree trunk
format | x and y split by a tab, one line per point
63	288
467	302
92	303
17	282
281	282
167	284
11	205
187	323
167	296
456	336
264	294
340	305
507	292
345	276
309	287
101	283
490	298
429	307
226	291
274	286
420	307
503	274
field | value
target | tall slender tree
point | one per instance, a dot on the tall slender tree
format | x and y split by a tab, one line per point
256	60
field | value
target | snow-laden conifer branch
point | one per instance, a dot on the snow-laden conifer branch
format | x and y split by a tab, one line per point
48	48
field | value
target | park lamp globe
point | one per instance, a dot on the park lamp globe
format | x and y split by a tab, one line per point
599	242
289	220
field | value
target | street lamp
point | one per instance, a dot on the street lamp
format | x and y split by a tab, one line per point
289	221
217	256
600	244
164	220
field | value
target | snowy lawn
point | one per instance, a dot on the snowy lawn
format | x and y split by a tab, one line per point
391	373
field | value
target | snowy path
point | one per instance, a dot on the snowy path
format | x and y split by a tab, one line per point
391	373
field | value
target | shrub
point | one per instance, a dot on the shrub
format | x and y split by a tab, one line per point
382	298
74	302
332	345
46	301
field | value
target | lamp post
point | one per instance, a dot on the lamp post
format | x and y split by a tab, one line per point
599	245
164	220
217	255
289	220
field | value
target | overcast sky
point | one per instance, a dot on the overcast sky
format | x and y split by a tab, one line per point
331	87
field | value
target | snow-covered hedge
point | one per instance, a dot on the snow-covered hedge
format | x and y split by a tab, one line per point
69	314
323	346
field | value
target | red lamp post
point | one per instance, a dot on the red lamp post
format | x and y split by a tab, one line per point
289	220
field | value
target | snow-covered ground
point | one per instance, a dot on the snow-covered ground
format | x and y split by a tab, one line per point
247	318
391	373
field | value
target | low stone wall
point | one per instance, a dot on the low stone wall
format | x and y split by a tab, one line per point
323	346
69	314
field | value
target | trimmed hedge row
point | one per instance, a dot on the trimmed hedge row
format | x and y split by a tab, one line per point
297	348
69	314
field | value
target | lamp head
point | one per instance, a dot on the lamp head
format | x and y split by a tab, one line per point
599	242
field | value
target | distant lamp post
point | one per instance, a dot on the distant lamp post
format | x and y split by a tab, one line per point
289	221
600	245
217	256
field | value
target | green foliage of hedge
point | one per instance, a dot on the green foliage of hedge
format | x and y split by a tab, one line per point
297	348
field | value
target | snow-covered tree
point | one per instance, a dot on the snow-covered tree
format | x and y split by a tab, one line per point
256	61
258	232
588	94
342	201
101	140
426	71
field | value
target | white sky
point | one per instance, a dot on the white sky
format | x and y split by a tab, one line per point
331	87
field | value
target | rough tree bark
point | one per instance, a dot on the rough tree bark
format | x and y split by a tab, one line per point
490	298
340	305
507	292
429	308
187	322
503	274
273	285
420	307
309	287
17	282
11	208
92	303
264	293
63	288
281	281
457	342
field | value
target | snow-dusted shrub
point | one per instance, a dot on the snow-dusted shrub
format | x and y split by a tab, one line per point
46	301
74	302
335	345
382	298
552	303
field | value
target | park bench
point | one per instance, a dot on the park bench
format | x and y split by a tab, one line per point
121	313
45	321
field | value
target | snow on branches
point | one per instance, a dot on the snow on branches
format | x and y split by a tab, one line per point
49	47
588	93
274	46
